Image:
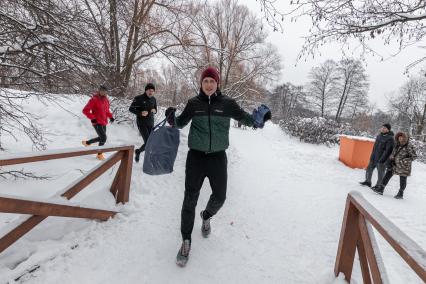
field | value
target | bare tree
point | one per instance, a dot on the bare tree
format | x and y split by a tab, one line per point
410	105
230	39
400	21
36	40
271	14
322	86
287	101
353	85
125	33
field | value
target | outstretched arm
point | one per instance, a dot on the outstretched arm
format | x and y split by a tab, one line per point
239	114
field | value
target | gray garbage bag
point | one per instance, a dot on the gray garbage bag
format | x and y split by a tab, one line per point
161	150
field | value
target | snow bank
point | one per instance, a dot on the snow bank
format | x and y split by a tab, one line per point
280	224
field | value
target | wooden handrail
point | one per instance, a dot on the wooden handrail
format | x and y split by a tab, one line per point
41	210
359	216
21	206
14	159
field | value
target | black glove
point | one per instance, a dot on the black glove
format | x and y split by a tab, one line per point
170	115
112	119
267	116
170	111
94	121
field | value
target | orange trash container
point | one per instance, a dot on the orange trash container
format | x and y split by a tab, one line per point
355	151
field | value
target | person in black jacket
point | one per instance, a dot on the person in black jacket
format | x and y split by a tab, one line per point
381	151
144	107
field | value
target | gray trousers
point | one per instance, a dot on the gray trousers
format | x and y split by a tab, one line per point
380	171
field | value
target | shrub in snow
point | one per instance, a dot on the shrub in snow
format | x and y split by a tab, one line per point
420	147
318	130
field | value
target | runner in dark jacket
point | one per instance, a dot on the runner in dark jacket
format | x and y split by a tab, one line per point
97	110
381	151
210	113
144	107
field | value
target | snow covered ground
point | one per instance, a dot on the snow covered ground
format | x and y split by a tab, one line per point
280	224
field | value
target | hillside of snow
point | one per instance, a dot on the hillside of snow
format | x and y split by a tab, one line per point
280	223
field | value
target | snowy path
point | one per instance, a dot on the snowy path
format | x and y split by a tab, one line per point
280	223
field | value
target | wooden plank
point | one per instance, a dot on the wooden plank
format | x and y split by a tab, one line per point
15	234
125	177
411	252
116	181
369	251
6	160
77	186
377	253
20	206
365	270
347	242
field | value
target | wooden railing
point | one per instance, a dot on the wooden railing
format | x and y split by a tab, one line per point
357	234
41	210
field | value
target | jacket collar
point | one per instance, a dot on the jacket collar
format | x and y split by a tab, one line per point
213	97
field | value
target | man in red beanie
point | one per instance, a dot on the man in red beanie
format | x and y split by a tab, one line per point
210	112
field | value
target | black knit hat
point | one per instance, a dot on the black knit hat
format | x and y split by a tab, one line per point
149	86
387	125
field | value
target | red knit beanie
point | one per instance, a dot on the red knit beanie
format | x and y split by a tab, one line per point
210	72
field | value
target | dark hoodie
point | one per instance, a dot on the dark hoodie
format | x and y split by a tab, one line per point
382	147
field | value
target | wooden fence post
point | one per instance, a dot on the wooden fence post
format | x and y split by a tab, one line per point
348	242
125	176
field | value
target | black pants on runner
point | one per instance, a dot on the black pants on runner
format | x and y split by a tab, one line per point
200	165
101	131
145	131
402	180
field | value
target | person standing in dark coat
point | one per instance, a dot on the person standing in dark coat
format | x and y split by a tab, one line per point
400	162
381	151
144	107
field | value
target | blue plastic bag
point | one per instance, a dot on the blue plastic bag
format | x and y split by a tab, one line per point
161	150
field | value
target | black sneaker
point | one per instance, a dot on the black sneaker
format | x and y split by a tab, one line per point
379	189
205	227
183	254
137	155
365	183
400	195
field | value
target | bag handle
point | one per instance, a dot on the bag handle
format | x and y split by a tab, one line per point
161	123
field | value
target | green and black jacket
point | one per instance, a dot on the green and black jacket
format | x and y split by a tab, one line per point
211	117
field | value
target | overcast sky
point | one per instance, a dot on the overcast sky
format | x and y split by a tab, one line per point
385	76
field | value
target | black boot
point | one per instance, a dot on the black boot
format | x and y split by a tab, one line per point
137	155
378	189
365	183
400	194
205	227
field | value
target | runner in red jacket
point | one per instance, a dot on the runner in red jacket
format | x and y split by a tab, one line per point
97	110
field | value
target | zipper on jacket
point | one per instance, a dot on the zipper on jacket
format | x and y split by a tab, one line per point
210	129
